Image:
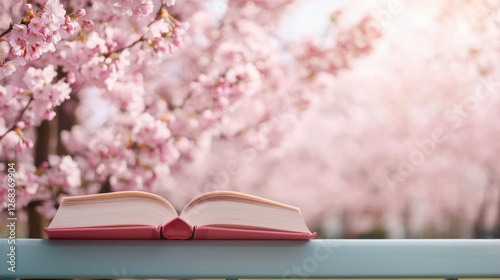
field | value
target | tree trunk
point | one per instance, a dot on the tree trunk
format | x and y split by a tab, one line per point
105	187
496	230
35	223
65	121
406	216
478	228
42	143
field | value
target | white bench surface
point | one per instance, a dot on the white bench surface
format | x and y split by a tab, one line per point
231	259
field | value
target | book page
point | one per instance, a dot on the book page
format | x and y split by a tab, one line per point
231	195
130	208
243	211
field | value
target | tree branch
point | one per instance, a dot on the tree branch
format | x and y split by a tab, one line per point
7	31
158	16
17	119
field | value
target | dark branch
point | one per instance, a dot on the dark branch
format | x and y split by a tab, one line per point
17	119
142	38
7	31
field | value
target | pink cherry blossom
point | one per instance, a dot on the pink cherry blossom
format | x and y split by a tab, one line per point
99	96
37	34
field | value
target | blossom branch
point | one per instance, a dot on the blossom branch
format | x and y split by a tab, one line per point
13	127
7	31
175	27
142	38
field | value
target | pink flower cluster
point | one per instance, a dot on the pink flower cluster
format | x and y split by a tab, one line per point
46	94
59	172
59	175
164	36
349	42
131	7
134	7
26	188
38	33
28	106
134	150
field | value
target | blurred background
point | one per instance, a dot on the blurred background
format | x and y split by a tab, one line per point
403	144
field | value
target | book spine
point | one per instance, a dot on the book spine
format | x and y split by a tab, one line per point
177	229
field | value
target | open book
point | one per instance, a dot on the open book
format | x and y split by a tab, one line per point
142	215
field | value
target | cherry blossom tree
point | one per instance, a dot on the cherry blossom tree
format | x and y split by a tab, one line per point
100	96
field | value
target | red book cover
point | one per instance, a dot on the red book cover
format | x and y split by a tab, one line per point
208	232
122	232
176	229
